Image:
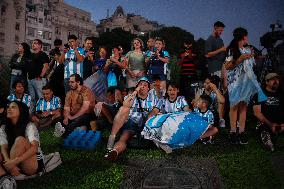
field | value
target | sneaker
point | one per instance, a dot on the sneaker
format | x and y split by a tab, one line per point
222	123
266	139
111	155
233	138
243	138
207	140
59	130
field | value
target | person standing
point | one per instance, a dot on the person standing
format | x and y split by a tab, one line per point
72	57
215	50
18	65
89	58
37	70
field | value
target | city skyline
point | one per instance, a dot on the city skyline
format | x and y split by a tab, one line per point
197	17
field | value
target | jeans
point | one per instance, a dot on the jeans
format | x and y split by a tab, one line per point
35	88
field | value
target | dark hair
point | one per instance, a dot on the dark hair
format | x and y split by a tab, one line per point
219	24
38	41
111	90
78	78
160	39
16	82
72	37
239	34
27	49
172	84
54	51
213	79
156	77
89	38
57	42
47	87
14	131
207	99
188	41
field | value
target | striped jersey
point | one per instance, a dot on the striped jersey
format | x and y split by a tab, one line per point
43	105
70	65
213	96
155	93
166	106
25	99
147	106
207	116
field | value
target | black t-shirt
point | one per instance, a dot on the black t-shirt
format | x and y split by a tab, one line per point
36	65
273	108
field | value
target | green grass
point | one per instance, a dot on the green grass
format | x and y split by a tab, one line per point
247	166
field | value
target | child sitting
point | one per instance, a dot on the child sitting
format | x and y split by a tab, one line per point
202	110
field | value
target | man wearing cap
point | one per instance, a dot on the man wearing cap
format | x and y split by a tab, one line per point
271	112
131	117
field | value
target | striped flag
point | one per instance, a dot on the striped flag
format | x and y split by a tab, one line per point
98	84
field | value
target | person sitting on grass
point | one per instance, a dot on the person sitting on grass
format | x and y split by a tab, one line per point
48	109
202	110
105	111
172	102
131	118
156	87
270	113
217	99
20	95
78	108
20	144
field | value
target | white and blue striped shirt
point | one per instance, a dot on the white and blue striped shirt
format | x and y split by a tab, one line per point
147	105
70	65
166	106
207	116
43	105
25	99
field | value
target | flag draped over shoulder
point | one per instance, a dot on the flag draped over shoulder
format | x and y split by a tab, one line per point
98	84
242	82
176	130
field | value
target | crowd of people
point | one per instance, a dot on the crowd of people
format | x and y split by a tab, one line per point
49	91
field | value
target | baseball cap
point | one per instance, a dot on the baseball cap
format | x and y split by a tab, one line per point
143	79
270	76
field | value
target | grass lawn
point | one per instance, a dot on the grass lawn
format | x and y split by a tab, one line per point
246	166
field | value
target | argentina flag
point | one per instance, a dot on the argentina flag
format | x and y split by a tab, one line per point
176	130
98	84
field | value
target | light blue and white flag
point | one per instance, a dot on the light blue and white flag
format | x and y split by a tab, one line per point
176	130
98	84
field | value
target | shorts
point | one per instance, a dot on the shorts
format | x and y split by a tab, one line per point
40	162
131	126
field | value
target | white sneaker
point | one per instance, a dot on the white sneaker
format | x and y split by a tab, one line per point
222	123
59	130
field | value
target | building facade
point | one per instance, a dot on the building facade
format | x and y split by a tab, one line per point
12	25
135	24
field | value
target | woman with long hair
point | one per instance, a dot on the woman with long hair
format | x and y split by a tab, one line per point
18	64
19	141
242	83
135	61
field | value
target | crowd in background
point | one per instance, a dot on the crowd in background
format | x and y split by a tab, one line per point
81	87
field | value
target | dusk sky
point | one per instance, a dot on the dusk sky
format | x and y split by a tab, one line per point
197	16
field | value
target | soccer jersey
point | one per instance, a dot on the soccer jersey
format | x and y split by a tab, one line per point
70	65
213	96
147	105
207	116
26	99
155	93
156	65
43	105
166	106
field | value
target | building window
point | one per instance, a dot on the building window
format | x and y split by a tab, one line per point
1	51
2	37
17	27
31	32
46	47
40	20
83	18
75	14
17	39
3	10
18	14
